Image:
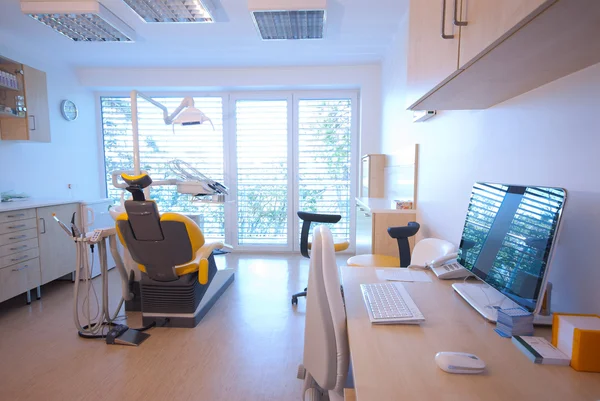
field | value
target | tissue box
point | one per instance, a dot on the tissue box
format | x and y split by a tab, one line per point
578	336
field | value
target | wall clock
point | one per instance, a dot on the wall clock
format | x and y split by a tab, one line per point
68	110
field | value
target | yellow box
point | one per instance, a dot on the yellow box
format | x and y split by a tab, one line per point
586	345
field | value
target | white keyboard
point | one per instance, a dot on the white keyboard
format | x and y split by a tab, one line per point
390	303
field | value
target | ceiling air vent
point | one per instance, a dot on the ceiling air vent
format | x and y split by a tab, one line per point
81	20
173	10
289	19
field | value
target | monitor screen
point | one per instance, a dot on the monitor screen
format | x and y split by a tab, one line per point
508	236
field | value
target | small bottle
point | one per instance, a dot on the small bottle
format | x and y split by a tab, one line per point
20	103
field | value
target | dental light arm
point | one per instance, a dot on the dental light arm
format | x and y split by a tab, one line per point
193	116
184	114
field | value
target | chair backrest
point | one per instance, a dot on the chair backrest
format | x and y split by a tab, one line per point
402	234
326	352
308	218
159	243
429	249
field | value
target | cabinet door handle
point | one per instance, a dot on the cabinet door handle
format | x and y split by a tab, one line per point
367	215
456	21
20	268
32	123
18	226
18	237
444	36
12	216
18	247
21	258
43	225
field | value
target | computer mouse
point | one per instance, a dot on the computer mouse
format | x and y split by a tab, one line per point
459	362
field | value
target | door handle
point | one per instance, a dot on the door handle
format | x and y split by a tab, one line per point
32	123
43	225
456	21
444	36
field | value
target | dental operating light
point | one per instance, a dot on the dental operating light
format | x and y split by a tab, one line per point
80	20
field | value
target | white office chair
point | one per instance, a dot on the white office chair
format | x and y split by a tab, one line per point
326	351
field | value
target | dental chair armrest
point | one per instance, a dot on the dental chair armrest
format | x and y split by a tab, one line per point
207	249
202	256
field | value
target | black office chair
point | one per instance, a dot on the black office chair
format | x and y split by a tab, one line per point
305	245
401	234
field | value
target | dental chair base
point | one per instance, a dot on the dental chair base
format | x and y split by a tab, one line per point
187	308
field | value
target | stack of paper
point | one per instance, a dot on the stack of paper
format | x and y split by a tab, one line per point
514	322
539	350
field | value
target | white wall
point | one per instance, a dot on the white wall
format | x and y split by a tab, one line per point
72	156
549	136
363	77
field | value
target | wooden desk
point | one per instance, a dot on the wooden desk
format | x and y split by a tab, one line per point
396	362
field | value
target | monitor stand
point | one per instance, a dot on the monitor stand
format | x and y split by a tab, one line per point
487	300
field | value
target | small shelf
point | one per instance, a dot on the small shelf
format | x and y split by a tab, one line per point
9	115
4	87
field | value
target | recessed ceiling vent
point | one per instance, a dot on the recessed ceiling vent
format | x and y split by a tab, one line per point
289	19
80	20
173	10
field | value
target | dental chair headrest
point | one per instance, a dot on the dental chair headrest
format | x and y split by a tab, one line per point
136	185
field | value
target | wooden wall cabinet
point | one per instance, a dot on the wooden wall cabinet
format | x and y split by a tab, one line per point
473	54
33	124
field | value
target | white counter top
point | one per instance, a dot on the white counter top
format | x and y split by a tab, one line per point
34	203
381	205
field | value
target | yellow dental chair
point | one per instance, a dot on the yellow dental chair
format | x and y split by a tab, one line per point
180	280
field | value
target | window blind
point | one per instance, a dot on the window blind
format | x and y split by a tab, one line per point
198	145
262	173
324	154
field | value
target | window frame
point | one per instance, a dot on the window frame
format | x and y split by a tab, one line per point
228	100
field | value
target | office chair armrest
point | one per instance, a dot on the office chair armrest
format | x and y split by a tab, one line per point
319	217
404	231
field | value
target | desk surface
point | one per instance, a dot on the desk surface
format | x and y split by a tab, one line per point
396	362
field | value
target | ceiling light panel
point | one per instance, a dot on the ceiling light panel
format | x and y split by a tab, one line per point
289	19
80	21
281	25
173	10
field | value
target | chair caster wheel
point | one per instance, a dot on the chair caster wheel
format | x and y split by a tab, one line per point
294	300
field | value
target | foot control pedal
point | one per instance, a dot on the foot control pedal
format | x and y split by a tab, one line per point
123	335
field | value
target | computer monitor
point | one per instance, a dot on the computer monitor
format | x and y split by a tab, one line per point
507	243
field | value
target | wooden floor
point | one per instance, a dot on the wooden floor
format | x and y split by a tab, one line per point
247	347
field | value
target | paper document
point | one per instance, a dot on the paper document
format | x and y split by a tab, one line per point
402	274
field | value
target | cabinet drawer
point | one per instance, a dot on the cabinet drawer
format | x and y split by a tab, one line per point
18	236
21	246
19	257
17	279
18	225
5	217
